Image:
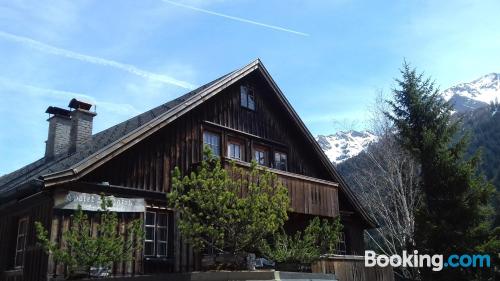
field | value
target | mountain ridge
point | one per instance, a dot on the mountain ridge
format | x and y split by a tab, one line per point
465	97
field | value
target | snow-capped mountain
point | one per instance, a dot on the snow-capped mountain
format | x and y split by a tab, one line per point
345	144
465	97
475	94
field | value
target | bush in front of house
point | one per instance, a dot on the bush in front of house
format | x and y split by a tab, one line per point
229	211
302	248
82	250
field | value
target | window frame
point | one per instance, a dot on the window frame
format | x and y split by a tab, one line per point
158	229
341	247
264	151
275	162
153	226
210	133
20	264
156	236
235	142
247	94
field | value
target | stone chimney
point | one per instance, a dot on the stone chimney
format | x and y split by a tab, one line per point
81	124
59	132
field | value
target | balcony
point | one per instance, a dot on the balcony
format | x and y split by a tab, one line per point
308	195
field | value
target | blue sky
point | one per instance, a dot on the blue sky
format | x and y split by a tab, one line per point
330	58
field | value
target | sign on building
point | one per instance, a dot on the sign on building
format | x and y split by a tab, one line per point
92	202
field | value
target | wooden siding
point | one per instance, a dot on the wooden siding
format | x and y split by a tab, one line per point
36	208
309	197
349	268
147	165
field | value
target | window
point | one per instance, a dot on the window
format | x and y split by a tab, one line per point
22	230
212	140
280	161
234	150
155	240
260	156
341	248
247	97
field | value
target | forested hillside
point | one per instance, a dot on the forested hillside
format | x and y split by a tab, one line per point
482	124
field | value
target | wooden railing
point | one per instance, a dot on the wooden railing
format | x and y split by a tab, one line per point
352	268
308	195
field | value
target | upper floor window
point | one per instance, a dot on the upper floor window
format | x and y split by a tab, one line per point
260	156
247	97
155	240
280	161
234	150
22	231
212	140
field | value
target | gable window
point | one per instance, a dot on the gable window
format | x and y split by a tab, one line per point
260	156
234	150
22	230
212	140
155	240
247	97
280	161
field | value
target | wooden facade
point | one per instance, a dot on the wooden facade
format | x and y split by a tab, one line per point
139	167
352	268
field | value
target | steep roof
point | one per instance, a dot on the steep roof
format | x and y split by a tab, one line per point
108	143
99	140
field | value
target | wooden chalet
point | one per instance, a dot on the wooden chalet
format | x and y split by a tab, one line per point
242	116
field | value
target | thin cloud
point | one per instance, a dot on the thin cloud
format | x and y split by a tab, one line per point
236	18
95	60
118	108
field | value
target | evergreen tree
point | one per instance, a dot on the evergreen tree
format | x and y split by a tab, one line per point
84	250
454	217
231	211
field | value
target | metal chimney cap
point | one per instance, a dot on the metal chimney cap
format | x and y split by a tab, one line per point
57	111
77	104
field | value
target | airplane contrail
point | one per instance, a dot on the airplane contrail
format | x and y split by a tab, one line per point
95	60
235	18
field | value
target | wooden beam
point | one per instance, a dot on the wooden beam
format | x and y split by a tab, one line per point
252	136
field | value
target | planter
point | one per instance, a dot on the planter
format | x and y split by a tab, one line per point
78	273
293	267
223	261
85	273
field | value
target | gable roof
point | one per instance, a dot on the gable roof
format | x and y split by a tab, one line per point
111	142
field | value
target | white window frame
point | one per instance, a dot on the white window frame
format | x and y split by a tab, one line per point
20	264
153	226
277	164
156	236
259	154
234	145
208	137
158	241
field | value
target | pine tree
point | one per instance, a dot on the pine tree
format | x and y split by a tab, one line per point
228	210
85	250
455	215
